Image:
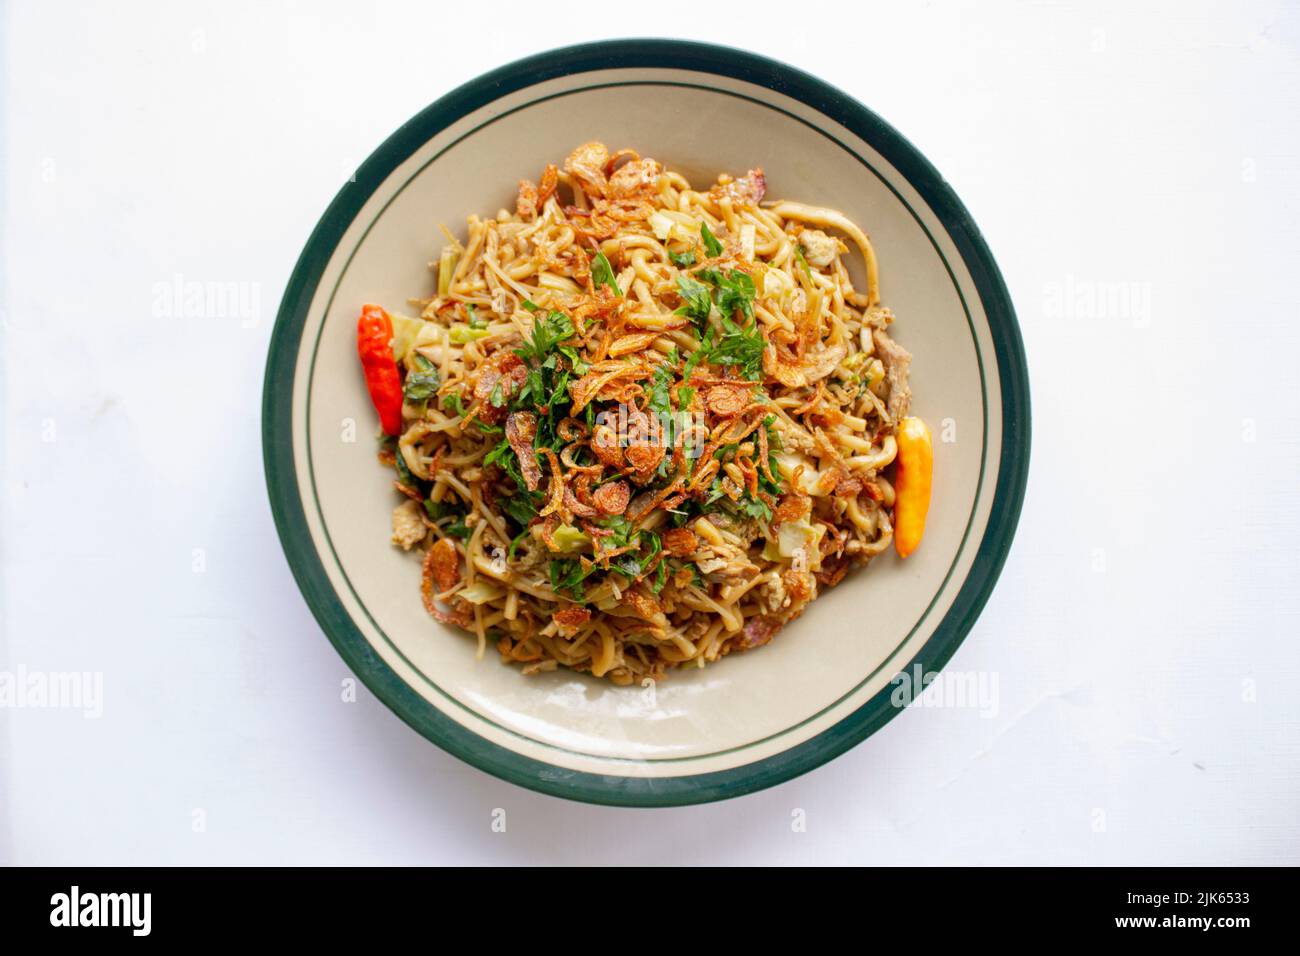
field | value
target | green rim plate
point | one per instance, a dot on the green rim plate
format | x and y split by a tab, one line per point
282	468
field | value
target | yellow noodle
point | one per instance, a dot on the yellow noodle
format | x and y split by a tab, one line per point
690	566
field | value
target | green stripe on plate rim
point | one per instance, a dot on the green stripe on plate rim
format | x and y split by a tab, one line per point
287	505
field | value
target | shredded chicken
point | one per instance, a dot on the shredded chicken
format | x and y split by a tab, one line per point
897	360
819	249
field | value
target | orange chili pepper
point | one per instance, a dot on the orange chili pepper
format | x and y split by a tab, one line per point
374	335
912	476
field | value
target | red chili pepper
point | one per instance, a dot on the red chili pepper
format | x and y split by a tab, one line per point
374	333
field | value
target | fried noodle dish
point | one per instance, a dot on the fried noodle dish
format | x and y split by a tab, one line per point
640	426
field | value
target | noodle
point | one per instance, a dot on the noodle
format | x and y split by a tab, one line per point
651	421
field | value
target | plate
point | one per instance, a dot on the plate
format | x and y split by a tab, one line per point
829	679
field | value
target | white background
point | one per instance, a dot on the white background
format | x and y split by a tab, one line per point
1145	634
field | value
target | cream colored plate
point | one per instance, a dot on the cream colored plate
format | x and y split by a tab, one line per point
752	719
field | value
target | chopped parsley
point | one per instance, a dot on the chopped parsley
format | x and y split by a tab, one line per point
498	453
547	333
682	260
545	390
746	506
773	464
698	356
521	509
711	244
514	543
733	291
632	564
739	348
754	508
661	383
404	473
696	301
567	575
503	456
437	510
803	263
602	273
458	529
659	402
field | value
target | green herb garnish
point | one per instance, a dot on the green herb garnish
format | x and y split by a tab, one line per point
547	334
404	473
514	543
733	291
602	273
567	575
696	302
741	348
711	244
421	382
803	263
699	355
521	509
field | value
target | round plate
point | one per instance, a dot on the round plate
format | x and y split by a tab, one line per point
751	720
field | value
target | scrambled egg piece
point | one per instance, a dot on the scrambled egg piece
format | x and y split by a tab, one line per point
408	527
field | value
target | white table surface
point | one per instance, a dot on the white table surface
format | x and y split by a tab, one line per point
1135	171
